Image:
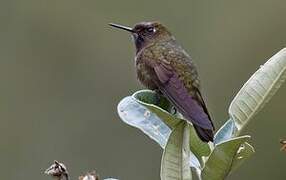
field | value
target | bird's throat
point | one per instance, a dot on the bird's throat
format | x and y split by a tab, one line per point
139	42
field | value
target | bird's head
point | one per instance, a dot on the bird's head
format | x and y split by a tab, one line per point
146	33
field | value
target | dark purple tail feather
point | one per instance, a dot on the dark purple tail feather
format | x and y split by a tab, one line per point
205	135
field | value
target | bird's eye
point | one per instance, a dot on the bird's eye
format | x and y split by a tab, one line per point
151	30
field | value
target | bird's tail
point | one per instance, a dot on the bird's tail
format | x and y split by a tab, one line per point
205	135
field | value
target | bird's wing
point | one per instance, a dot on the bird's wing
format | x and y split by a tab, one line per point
200	99
191	106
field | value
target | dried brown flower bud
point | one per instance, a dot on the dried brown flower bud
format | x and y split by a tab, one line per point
57	170
89	176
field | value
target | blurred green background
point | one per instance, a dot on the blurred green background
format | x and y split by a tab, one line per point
63	71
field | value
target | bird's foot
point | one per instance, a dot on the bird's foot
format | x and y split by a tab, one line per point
173	110
157	98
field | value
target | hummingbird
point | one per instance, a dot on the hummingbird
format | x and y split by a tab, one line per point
164	66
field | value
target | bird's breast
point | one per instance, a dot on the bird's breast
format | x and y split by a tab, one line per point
145	74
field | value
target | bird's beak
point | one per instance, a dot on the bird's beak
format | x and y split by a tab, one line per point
129	29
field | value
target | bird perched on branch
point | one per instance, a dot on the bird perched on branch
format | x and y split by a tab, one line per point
164	66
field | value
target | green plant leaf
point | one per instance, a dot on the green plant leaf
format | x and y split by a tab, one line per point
243	153
197	146
139	116
176	156
226	132
158	105
148	99
137	111
258	90
220	161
